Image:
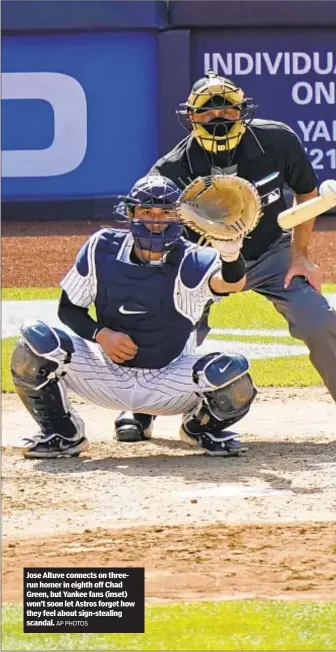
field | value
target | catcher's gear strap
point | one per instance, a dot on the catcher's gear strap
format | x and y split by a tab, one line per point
49	408
233	272
36	377
29	369
195	266
85	259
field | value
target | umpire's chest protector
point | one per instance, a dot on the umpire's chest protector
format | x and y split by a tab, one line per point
139	300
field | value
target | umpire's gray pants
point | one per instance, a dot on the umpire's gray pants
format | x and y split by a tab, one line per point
309	316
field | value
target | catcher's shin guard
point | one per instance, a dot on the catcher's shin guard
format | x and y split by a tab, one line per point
228	392
132	427
39	360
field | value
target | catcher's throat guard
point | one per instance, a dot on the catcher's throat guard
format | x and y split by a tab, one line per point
220	207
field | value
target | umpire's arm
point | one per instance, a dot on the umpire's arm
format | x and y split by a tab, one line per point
300	176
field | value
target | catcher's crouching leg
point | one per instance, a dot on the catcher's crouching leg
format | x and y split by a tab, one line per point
225	384
39	360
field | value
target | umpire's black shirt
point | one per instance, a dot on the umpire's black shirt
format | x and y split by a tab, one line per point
270	155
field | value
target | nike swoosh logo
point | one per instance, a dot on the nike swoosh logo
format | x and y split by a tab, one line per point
124	311
224	368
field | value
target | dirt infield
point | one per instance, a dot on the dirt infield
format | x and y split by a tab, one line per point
262	525
209	562
204	528
49	249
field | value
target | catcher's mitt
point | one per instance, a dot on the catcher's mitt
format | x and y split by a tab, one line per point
220	207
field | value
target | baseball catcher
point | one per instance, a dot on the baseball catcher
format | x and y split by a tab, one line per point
149	287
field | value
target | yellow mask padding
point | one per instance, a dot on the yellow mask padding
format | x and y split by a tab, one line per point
198	98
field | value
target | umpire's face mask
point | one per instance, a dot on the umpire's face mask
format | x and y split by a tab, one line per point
217	127
218	122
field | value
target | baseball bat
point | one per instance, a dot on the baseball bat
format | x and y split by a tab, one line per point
312	208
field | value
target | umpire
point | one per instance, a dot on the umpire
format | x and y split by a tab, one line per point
225	138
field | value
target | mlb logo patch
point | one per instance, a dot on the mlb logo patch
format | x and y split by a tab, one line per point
271	197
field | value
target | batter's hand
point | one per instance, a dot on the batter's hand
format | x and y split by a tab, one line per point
119	347
301	266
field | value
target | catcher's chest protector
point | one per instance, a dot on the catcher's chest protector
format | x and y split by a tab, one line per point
139	300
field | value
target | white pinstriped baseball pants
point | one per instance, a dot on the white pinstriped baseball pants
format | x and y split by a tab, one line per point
97	379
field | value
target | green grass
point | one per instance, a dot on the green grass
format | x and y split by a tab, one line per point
20	294
291	371
6	352
28	294
245	310
249	310
261	339
239	625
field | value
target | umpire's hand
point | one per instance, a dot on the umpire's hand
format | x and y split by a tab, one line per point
119	347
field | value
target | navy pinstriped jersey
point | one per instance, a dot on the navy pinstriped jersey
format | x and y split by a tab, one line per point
157	306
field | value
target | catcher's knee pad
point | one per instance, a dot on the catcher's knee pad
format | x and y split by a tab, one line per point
226	386
39	360
41	354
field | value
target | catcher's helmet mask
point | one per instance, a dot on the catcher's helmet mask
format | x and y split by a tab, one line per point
220	134
150	192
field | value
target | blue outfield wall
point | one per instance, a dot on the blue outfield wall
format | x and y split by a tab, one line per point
83	132
80	103
252	13
65	15
90	88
